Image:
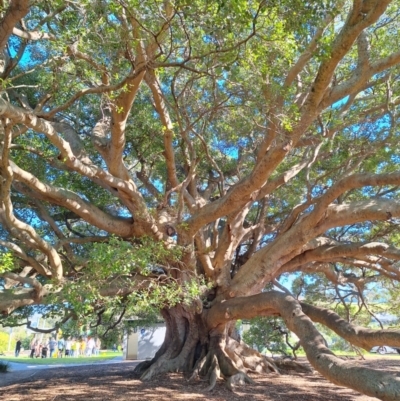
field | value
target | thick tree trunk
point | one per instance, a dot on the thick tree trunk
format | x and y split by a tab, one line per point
183	339
192	347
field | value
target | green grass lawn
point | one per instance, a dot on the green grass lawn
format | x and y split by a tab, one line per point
104	356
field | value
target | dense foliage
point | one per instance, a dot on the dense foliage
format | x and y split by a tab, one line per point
185	158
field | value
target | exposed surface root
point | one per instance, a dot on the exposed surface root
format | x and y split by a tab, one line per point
289	366
270	363
223	361
238	379
142	367
153	370
222	366
226	358
248	359
163	365
214	373
197	369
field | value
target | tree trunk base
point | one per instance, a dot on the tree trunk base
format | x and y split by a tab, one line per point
189	348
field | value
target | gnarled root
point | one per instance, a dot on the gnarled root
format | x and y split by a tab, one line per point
213	373
240	378
198	366
289	366
248	359
142	367
218	362
222	365
233	360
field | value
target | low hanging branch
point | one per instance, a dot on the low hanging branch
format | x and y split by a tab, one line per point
356	335
368	381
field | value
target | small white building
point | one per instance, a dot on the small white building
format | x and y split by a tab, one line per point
142	342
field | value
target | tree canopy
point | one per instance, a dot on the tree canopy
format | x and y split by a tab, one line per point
185	156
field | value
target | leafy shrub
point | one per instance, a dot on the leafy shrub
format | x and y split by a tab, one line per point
4	367
3	341
266	333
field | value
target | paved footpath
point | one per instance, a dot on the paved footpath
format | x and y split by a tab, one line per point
18	366
19	371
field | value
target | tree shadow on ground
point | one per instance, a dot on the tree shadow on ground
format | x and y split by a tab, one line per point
117	382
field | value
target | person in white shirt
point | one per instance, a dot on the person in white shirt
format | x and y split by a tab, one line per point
97	345
68	344
90	346
52	346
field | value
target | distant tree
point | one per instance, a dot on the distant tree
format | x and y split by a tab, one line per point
269	333
4	341
26	341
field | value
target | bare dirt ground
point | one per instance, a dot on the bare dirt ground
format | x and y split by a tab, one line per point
116	382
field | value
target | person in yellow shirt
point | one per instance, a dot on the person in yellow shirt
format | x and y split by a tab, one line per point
73	347
83	347
77	347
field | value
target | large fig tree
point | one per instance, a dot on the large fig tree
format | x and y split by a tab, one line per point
187	154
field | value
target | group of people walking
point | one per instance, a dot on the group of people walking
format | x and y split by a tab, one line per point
69	347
